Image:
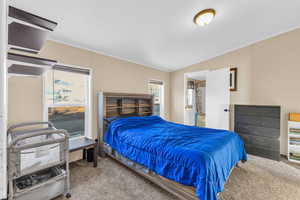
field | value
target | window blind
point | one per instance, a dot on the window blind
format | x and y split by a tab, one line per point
71	69
156	82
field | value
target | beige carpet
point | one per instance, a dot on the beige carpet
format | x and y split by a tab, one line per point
258	179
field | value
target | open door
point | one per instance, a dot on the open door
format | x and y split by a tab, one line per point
217	99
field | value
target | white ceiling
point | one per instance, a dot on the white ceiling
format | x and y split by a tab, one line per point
161	33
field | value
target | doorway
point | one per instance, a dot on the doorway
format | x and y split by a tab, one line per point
207	98
195	98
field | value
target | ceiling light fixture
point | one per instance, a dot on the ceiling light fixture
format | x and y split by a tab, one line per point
204	17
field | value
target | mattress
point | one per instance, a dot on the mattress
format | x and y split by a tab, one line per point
192	156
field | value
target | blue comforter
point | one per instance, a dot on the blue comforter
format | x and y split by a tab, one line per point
190	155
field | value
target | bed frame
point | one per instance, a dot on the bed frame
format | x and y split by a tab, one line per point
121	104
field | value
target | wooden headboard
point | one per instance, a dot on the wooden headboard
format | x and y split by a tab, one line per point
121	105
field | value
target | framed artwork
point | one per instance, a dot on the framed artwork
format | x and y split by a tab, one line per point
233	79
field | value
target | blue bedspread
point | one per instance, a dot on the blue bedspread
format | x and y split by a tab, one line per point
190	155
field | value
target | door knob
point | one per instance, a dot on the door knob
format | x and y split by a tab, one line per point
226	110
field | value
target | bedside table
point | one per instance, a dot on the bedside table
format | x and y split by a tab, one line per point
84	144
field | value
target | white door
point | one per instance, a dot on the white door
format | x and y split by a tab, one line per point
217	99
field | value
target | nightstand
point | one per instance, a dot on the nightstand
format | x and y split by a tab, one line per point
86	145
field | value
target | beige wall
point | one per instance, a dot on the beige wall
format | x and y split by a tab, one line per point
109	74
268	74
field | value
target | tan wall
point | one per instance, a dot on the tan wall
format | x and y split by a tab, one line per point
109	74
268	74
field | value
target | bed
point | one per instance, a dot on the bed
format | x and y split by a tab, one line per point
174	156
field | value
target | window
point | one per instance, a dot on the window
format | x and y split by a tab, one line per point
189	95
67	99
156	88
189	101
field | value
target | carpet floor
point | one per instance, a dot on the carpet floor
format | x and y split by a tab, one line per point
258	179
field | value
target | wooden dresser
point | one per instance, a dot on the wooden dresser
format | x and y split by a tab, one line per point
259	126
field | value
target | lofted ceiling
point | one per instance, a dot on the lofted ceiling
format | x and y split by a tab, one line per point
161	33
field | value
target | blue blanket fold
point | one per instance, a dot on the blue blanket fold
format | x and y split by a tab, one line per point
193	156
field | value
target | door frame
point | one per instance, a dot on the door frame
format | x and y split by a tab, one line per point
201	74
3	100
